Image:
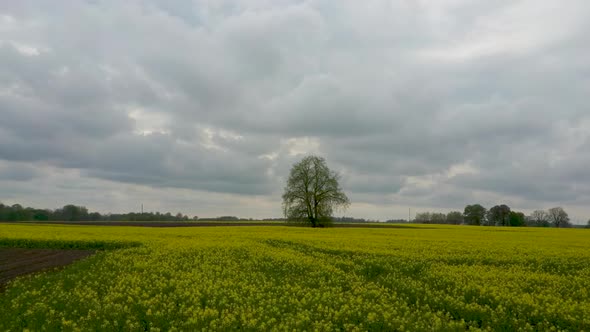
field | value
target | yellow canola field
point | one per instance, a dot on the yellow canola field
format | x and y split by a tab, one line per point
423	278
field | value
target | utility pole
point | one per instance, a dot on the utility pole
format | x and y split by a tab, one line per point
409	214
141	208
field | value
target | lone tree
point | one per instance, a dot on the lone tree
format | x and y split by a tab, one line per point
312	192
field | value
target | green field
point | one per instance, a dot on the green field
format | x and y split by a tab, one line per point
291	278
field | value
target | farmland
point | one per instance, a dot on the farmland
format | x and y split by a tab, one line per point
290	278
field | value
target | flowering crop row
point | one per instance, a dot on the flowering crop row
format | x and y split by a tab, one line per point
445	278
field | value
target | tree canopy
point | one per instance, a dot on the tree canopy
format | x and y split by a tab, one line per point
312	192
474	214
540	218
517	219
499	215
455	217
558	217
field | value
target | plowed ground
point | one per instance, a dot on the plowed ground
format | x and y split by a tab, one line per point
15	262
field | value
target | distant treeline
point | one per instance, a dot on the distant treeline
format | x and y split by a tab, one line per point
499	215
352	220
396	221
72	212
334	219
225	218
476	214
80	213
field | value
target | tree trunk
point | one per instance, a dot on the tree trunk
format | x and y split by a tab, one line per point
313	221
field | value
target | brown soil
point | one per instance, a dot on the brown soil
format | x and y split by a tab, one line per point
15	262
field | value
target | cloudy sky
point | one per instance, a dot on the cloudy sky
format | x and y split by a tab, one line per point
203	106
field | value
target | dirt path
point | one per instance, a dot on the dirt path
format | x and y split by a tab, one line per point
15	262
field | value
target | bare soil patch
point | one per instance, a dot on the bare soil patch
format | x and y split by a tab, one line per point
15	262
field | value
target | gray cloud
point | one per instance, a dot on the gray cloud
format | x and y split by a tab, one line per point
428	105
17	172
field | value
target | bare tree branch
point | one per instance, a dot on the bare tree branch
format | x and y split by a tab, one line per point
312	192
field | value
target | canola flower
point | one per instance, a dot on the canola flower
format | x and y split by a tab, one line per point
441	278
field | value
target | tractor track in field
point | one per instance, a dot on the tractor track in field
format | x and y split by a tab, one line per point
15	262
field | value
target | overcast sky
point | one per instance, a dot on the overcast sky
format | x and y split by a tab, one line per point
202	107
